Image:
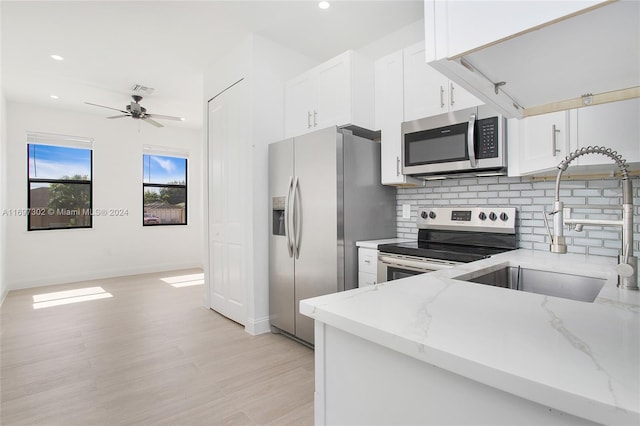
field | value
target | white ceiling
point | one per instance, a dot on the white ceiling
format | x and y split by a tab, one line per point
109	46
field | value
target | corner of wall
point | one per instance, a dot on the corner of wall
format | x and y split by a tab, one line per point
394	41
256	326
3	182
3	194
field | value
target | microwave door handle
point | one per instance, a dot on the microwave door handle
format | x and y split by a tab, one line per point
471	145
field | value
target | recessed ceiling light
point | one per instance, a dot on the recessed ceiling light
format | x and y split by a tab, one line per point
324	5
54	96
57	57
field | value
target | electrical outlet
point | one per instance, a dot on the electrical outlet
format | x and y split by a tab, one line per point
406	211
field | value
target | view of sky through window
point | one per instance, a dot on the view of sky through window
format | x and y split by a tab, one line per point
60	187
58	162
161	169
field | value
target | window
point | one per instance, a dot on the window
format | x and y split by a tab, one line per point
59	183
164	190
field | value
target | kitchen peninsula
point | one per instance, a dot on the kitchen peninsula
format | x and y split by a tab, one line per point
435	349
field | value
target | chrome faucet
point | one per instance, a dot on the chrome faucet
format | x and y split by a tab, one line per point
628	267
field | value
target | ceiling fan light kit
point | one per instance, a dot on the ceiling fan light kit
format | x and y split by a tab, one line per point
138	112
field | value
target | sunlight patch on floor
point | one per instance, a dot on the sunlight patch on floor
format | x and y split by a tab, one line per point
185	280
47	300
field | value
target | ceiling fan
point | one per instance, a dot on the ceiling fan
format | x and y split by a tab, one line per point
138	112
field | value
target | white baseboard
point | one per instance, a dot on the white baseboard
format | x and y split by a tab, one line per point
257	326
96	275
3	296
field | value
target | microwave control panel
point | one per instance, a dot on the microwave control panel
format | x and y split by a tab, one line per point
487	138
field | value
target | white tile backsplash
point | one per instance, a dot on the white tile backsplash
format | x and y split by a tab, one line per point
529	198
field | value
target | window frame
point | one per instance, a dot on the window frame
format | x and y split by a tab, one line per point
31	180
168	185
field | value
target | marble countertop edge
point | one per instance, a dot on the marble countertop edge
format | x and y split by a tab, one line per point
347	311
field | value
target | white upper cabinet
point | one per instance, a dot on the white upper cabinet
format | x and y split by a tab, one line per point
389	117
543	142
614	125
531	57
336	93
300	96
426	91
462	26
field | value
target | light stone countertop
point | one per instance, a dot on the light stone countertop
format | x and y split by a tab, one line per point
577	357
373	244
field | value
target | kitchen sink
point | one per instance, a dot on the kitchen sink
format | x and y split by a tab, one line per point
568	286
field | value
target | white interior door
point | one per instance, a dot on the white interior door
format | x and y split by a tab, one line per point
227	210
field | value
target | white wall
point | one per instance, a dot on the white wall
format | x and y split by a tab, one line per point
405	36
3	195
3	181
265	66
115	246
273	65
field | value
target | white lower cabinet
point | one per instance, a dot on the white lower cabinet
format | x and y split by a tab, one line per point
367	266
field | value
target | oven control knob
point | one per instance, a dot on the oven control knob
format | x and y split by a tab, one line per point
424	215
493	216
432	215
503	217
482	216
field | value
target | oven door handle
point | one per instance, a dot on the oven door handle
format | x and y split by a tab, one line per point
471	141
423	266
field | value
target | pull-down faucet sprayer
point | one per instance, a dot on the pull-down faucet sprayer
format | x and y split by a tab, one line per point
628	267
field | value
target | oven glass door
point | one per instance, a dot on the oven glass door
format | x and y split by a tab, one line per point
393	267
442	145
394	273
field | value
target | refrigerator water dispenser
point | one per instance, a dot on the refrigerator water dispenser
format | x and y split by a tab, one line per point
277	204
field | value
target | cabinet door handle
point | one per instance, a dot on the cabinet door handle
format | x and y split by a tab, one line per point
441	97
315	118
397	166
554	139
308	119
451	101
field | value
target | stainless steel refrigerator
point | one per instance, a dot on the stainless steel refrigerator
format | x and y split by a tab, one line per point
325	194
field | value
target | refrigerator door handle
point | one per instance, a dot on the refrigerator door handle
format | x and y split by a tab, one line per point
287	214
297	219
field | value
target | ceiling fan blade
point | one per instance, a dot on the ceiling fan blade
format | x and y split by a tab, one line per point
102	106
150	121
120	116
165	117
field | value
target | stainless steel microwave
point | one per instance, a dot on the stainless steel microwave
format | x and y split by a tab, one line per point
469	141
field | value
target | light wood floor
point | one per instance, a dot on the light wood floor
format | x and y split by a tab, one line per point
150	354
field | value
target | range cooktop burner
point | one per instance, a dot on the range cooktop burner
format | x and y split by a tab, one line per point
451	252
460	234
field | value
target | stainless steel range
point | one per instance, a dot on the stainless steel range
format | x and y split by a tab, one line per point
449	236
